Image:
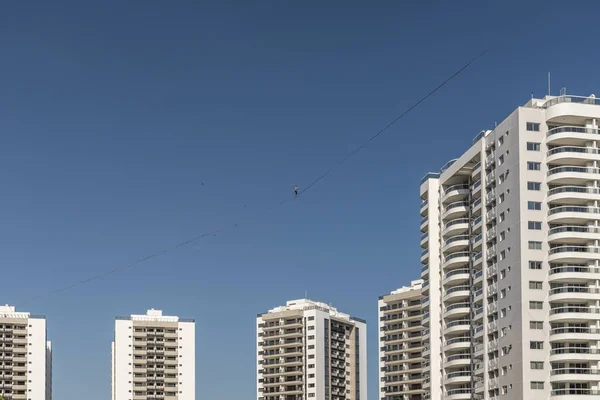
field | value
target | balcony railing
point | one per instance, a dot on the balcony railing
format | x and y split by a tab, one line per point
573	149
575	269
575	329
460	186
571	99
585	170
574	289
573	228
574	249
578	310
575	392
573	189
576	209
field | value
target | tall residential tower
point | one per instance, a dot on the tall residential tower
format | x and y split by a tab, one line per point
511	252
153	357
25	356
400	344
309	350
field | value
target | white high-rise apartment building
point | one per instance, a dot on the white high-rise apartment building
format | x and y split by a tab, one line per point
310	350
400	344
154	357
25	356
511	259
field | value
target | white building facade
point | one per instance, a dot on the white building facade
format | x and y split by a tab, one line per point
310	350
153	357
25	356
511	252
400	344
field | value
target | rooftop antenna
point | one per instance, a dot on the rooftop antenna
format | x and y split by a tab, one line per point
531	95
563	91
305	294
548	83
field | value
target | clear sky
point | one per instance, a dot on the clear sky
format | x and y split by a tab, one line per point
113	114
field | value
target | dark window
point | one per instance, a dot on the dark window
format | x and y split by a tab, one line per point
534	186
532	146
534	205
533	126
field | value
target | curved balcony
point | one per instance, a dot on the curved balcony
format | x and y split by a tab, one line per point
573	234
572	175
455	193
571	333
574	394
457	309
566	155
459	326
455	260
458	343
456	276
457	293
424	207
573	214
458	377
574	313
456	227
571	135
454	243
573	194
425	256
573	273
574	354
456	360
424	224
425	240
572	374
573	254
571	292
455	210
458	394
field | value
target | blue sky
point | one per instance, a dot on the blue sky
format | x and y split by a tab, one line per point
113	114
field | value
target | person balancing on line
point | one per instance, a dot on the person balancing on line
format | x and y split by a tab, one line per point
296	187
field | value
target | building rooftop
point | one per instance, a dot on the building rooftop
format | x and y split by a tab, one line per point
155	315
307	304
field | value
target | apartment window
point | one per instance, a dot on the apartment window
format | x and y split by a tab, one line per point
536	365
536	305
537	385
501	160
500	141
534	185
533	146
501	181
311	395
535	245
311	356
311	337
311	375
311	318
311	346
502	236
504	371
503	332
502	255
504	389
535	285
534	166
536	324
534	205
534	225
533	126
503	313
535	265
311	328
503	274
501	197
536	345
503	293
501	217
311	385
311	365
